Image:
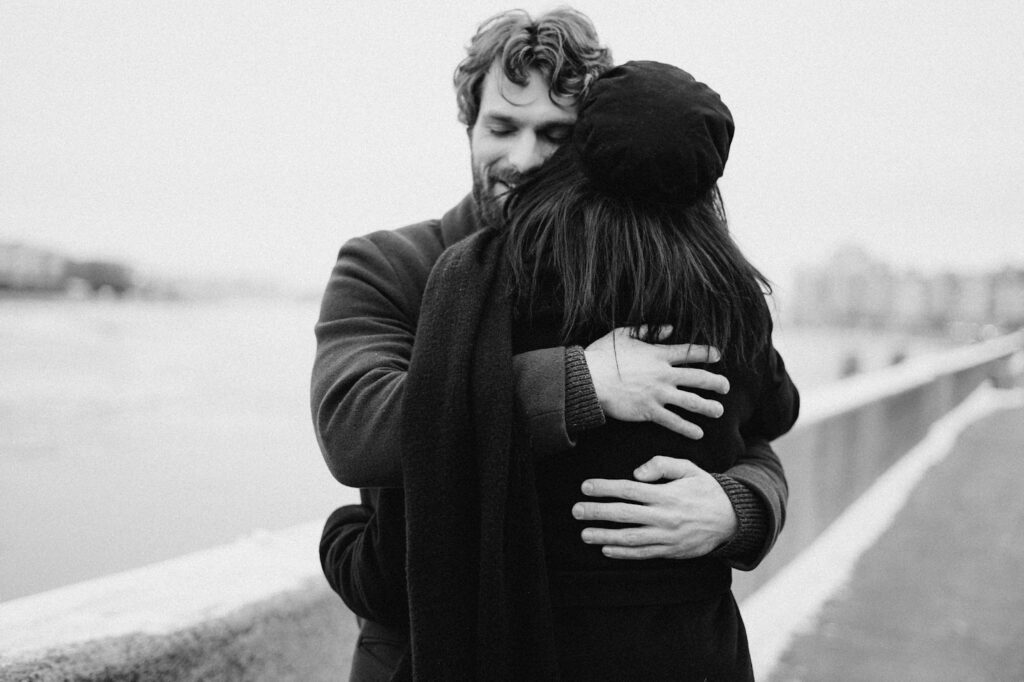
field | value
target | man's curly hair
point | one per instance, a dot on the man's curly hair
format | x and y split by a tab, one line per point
561	44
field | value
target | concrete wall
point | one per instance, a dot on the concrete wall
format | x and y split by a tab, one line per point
852	431
259	609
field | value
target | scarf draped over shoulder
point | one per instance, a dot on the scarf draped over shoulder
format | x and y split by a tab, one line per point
478	593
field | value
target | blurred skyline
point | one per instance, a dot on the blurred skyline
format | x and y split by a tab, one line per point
253	139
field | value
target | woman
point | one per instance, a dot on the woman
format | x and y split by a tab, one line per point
623	227
592	240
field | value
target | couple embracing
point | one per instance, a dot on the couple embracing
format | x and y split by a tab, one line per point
558	398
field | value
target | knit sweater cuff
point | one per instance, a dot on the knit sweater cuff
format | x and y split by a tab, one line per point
752	517
582	410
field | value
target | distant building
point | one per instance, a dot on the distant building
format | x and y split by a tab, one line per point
943	295
28	268
98	275
911	306
854	289
1008	297
974	304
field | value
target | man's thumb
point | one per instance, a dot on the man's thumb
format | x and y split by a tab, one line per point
658	468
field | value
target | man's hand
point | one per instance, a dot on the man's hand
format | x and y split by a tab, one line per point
687	516
634	381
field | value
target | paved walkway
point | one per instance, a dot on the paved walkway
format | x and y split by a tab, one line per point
940	596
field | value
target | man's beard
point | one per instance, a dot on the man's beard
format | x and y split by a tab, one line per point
488	206
491	208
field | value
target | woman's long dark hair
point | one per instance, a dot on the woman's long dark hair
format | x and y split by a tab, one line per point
621	261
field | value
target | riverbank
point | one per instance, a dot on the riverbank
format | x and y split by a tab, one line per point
135	431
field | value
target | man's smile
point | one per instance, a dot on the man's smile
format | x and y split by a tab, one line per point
501	187
503	181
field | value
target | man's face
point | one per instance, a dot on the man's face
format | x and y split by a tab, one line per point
517	129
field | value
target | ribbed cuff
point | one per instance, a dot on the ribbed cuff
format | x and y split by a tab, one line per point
582	410
753	520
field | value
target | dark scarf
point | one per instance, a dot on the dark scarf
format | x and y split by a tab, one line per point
478	593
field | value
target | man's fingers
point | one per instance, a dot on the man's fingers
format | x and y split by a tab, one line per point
673	422
624	537
644	552
660	333
622	489
620	512
700	378
689	353
663	332
658	468
691	402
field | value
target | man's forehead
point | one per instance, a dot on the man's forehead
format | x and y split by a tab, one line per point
504	98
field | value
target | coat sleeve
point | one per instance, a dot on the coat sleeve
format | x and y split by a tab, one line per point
539	377
363	565
364	342
760	469
365	336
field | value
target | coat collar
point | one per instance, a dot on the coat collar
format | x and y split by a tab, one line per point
460	222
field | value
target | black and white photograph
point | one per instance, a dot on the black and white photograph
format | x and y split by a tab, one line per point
375	341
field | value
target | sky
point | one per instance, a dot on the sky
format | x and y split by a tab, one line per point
250	138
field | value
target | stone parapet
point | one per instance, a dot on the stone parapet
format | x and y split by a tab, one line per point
259	609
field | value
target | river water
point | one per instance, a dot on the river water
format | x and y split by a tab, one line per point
135	431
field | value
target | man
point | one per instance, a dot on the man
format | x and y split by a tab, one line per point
517	90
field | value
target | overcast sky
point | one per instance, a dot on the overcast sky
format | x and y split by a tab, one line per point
248	137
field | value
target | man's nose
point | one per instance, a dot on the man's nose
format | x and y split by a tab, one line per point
528	152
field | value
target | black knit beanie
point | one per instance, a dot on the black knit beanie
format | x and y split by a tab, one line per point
651	131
